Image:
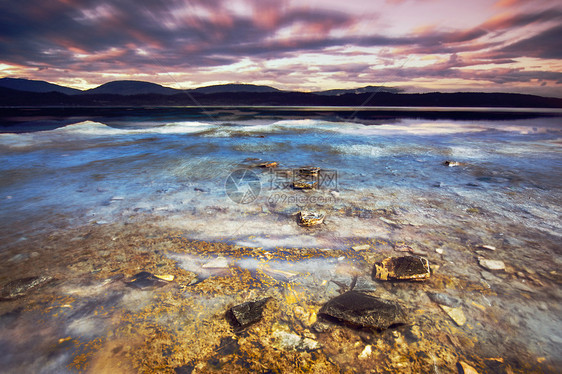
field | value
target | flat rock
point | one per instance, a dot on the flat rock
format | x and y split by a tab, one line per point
487	247
456	314
362	247
465	368
443	299
20	287
402	268
491	264
358	309
145	280
243	315
217	263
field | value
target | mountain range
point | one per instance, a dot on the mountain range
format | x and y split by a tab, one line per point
24	92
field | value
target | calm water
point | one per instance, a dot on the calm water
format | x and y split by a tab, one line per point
91	171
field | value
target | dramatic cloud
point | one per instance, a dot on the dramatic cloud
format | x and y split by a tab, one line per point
431	44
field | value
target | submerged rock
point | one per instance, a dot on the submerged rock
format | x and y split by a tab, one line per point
145	280
491	264
362	247
456	314
359	309
402	268
465	368
217	263
243	315
443	299
20	287
308	219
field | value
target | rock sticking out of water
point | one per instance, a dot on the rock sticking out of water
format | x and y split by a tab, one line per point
268	164
309	219
145	280
243	315
443	299
309	171
305	185
452	163
491	264
402	268
359	309
21	287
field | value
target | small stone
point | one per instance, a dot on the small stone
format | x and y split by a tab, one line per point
487	247
268	164
145	280
465	368
403	248
335	193
20	287
361	310
389	221
452	163
456	314
305	185
308	219
439	250
443	299
402	268
309	171
246	314
362	247
367	351
217	263
491	264
490	277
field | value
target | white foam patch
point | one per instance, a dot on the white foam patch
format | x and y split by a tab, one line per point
90	129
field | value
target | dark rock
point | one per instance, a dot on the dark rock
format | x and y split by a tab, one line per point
402	268
452	163
145	280
358	309
268	164
243	315
443	299
308	219
20	287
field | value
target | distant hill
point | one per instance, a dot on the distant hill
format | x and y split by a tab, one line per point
359	90
234	87
28	85
26	93
128	88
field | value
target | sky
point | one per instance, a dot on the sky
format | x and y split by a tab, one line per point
415	45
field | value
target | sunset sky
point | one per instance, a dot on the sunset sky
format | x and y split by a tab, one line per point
418	45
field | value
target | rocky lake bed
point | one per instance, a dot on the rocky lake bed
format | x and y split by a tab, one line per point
405	246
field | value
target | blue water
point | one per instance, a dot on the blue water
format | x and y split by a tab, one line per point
91	172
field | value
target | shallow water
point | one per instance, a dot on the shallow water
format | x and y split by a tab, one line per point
384	185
